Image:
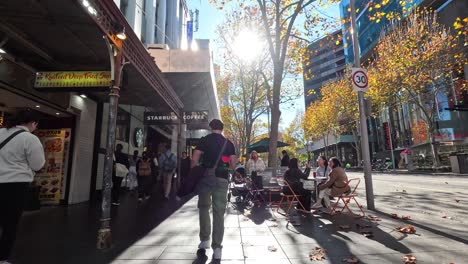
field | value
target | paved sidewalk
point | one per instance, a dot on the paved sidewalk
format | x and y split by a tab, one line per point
164	232
253	238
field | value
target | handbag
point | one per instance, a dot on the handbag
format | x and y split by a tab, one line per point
190	182
120	170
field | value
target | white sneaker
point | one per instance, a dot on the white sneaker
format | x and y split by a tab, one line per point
5	262
217	252
317	205
204	244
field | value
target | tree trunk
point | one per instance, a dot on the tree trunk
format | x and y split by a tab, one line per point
275	119
435	151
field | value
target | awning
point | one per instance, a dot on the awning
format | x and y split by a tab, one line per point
263	145
58	35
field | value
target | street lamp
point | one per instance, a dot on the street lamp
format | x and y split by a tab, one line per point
104	237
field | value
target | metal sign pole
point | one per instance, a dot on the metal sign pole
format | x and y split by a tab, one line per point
362	117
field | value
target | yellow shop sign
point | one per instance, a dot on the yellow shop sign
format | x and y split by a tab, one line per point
73	79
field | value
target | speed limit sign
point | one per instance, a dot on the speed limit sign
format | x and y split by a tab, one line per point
359	78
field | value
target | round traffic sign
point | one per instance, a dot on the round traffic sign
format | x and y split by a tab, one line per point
360	79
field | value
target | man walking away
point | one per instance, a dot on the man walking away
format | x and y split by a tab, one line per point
21	153
168	163
218	156
144	177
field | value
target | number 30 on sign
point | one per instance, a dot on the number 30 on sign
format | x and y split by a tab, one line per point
359	78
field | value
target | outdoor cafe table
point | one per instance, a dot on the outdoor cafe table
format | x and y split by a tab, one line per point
315	182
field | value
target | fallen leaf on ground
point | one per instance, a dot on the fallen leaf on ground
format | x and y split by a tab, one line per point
345	227
317	254
274	225
446	182
404	191
447	217
245	219
457	200
373	218
272	248
395	216
409	229
351	260
272	219
409	259
406	217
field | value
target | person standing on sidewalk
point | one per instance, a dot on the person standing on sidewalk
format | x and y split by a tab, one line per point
120	172
168	163
284	159
21	153
144	177
218	156
255	165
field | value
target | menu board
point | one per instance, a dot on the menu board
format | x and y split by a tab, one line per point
50	176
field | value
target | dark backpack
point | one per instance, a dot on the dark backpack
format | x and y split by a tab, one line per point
168	164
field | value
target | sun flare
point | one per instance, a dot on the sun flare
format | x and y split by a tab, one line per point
247	45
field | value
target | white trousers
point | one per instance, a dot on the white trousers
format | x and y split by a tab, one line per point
325	195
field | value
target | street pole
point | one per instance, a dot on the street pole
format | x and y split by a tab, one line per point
104	238
362	117
391	138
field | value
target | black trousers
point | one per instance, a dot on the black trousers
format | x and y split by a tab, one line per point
12	196
305	195
144	186
116	187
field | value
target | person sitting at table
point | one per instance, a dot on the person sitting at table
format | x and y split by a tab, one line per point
334	186
293	176
254	166
323	170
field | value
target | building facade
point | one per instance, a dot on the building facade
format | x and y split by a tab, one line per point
325	63
401	128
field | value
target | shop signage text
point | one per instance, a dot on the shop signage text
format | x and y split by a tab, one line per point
155	118
73	79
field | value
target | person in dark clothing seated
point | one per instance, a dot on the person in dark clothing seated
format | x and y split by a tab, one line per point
293	176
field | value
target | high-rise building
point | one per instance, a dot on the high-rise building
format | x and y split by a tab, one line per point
157	21
325	63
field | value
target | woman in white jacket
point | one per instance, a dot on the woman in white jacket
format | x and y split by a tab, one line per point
21	154
255	165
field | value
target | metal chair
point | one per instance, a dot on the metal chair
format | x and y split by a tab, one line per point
289	199
347	198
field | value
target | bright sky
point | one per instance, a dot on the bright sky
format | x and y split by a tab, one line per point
210	18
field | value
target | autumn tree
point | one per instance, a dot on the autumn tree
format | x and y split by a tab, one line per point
294	135
280	24
415	60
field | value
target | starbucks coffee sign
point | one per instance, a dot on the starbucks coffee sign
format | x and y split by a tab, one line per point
192	117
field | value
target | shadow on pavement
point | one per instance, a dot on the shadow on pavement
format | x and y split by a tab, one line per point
58	235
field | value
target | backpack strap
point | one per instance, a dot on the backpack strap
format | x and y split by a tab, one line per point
11	137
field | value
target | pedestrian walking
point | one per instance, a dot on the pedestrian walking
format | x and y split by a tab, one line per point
218	157
132	172
120	171
334	186
255	165
284	159
144	177
21	154
168	163
184	165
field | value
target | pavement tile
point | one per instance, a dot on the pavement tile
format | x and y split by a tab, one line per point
269	261
142	252
259	240
128	261
230	252
255	231
263	253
